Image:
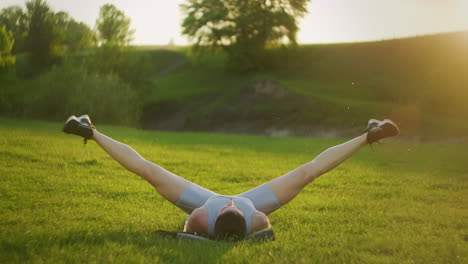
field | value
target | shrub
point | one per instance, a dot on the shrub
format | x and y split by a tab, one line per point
131	66
9	96
6	44
69	90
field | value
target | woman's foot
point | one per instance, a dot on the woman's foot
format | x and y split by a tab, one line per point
80	126
377	130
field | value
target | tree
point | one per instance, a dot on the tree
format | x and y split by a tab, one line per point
6	44
15	20
113	26
74	35
79	36
242	28
43	40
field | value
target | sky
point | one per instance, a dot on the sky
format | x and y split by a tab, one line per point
328	21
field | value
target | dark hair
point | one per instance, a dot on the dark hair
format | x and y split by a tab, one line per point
230	225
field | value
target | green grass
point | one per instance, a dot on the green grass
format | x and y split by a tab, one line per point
62	202
194	81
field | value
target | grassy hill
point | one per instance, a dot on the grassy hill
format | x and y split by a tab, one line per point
315	89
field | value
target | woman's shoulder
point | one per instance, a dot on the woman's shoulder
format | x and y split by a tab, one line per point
199	212
259	221
198	221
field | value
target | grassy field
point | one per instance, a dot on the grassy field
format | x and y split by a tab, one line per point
62	202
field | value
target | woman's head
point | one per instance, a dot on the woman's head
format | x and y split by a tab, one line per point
230	224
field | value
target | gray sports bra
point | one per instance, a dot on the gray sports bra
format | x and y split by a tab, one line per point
216	202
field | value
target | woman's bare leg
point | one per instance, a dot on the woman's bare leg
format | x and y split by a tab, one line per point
169	185
289	185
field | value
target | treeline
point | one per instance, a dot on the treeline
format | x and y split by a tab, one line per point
43	34
52	65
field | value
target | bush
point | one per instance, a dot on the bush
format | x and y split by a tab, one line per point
131	66
69	90
6	44
9	97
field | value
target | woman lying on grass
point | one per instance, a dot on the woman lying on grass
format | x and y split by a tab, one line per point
233	217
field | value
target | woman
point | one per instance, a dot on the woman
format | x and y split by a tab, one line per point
229	217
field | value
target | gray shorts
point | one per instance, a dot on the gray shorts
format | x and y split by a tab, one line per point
262	197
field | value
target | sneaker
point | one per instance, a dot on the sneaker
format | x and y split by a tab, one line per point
80	126
377	130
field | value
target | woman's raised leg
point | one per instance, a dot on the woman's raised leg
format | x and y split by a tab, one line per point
288	186
169	185
272	195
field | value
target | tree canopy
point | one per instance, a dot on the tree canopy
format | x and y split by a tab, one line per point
242	28
44	34
14	19
113	26
74	35
6	44
43	39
